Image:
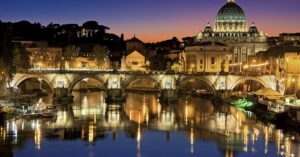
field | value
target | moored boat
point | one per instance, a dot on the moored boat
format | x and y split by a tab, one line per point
49	111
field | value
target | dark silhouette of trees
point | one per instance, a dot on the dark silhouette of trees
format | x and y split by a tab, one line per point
56	35
21	58
160	63
69	33
6	48
101	53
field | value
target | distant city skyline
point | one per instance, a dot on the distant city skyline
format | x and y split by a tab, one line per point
153	21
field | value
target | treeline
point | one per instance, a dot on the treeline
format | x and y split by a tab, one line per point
66	34
14	56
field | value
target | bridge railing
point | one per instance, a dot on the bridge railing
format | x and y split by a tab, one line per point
111	71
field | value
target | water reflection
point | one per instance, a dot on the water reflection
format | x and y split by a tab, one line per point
192	127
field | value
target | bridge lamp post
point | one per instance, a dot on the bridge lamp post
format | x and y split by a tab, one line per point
240	67
41	81
31	62
246	67
193	66
62	66
105	63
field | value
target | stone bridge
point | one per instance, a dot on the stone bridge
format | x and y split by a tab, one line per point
64	82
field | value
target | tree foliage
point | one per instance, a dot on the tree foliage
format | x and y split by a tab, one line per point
176	67
20	58
101	54
68	54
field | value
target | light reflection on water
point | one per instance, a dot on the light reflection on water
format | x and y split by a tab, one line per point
143	126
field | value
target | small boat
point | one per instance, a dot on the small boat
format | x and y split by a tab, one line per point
202	93
242	103
32	114
49	111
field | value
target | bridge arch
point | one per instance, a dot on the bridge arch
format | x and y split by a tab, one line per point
38	77
244	79
80	78
131	80
198	79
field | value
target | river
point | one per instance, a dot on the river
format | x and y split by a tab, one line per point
145	127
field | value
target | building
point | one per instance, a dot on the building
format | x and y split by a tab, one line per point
290	38
231	29
207	57
45	57
290	73
292	62
134	44
135	61
135	58
256	65
83	63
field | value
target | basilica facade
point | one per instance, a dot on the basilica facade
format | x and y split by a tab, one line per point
231	28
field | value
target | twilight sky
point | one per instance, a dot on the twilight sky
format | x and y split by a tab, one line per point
153	20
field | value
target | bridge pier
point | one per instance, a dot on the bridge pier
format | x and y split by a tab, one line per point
115	95
223	94
169	95
62	95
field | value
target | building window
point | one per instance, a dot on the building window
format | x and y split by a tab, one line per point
212	60
201	61
134	63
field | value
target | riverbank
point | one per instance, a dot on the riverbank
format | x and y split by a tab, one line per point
280	120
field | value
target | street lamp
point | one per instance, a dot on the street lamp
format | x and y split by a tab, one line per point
193	65
41	83
240	67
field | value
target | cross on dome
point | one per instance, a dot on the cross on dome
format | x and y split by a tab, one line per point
230	1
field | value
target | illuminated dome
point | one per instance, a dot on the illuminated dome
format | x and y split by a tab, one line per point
208	29
231	12
253	29
231	18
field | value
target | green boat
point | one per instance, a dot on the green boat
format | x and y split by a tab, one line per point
242	103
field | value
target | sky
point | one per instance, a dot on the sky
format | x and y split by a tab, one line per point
153	20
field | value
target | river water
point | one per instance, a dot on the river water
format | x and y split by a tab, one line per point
145	127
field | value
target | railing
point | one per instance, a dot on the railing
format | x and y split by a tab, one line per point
112	71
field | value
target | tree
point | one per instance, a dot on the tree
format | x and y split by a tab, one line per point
176	67
56	59
68	54
20	58
43	51
1	70
6	47
100	55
